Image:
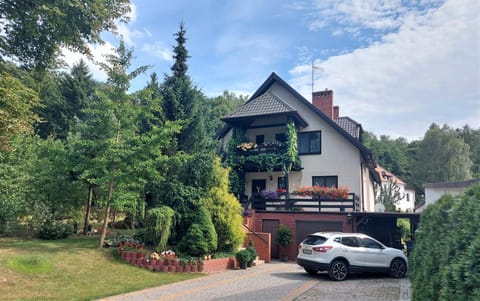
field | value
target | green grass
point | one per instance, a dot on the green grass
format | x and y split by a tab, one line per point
71	269
30	264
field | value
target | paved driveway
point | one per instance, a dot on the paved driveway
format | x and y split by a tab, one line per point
276	281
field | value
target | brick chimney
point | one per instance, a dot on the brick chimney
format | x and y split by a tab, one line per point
323	100
336	112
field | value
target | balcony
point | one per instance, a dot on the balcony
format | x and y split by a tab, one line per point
269	156
250	148
307	204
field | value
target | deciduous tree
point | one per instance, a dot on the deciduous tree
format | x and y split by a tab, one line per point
34	30
17	103
443	156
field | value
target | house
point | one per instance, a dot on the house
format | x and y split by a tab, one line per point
329	148
434	191
279	144
406	201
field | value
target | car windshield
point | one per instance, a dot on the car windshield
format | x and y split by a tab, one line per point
314	240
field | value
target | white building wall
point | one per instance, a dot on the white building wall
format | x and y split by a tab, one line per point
368	199
338	156
432	194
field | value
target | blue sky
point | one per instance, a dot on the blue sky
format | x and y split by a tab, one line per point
395	66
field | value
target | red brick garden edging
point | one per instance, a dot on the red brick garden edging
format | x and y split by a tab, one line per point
174	265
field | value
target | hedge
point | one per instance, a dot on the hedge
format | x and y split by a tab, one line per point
445	263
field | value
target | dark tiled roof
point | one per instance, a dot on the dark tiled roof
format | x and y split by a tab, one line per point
350	126
265	104
458	184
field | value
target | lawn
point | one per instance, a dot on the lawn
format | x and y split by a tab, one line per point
71	269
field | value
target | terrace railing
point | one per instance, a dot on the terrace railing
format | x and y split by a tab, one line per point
308	204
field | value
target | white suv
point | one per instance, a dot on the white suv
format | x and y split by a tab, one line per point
344	253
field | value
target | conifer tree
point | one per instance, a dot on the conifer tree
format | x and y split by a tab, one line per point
181	100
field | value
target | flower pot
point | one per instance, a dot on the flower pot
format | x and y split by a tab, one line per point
250	264
284	258
243	265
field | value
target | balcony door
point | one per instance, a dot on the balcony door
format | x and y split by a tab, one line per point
258	185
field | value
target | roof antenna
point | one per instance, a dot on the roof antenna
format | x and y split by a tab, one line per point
314	67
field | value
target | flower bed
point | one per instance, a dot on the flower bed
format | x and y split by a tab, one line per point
169	262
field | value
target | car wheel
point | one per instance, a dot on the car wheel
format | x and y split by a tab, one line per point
398	268
338	270
311	271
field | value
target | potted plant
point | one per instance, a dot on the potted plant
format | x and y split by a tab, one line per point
243	256
253	255
283	238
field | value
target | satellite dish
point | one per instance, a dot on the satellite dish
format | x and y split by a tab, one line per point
379	207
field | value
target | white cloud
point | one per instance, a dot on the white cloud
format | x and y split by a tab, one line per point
133	13
98	55
353	16
159	50
127	30
427	71
128	34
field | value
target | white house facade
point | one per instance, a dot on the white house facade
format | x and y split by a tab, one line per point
329	147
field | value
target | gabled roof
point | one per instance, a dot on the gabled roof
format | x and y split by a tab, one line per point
263	105
457	184
385	175
351	126
274	78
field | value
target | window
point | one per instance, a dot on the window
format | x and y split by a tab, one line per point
282	183
309	143
281	137
314	240
259	139
350	242
370	243
325	181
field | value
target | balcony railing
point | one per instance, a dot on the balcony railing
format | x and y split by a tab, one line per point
250	148
307	204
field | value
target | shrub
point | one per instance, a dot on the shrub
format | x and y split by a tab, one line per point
55	230
243	256
253	253
201	238
159	223
139	236
225	211
283	236
445	264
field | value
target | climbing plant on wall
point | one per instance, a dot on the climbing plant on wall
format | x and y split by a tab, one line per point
283	160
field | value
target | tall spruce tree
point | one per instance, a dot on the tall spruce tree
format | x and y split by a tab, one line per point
181	100
64	98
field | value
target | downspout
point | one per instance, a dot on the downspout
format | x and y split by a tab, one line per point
362	164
